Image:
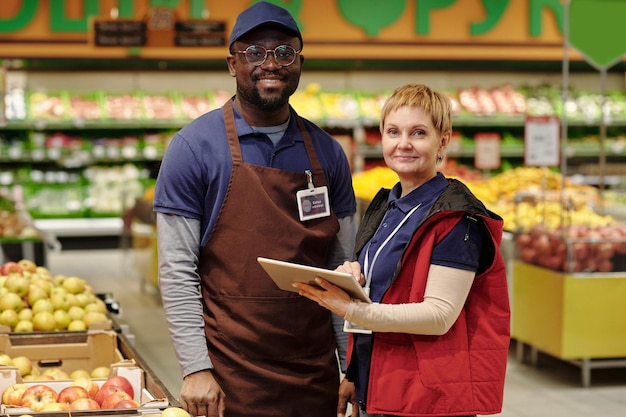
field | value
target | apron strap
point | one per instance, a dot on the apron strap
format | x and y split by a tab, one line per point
310	149
231	131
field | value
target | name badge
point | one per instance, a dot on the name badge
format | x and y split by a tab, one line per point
313	203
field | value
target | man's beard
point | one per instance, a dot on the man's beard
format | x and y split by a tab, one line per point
268	104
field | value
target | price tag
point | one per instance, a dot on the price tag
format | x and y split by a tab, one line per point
487	151
542	141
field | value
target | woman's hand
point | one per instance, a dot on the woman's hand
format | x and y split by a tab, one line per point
353	268
327	295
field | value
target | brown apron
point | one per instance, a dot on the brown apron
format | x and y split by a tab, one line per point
273	350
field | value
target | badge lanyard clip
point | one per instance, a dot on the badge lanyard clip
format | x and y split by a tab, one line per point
309	179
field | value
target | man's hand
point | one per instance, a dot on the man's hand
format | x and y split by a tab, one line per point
347	395
201	395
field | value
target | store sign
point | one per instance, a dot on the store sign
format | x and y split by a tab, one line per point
119	33
347	29
487	151
593	26
542	141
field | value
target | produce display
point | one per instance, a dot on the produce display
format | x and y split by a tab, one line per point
312	102
556	223
82	393
14	223
96	191
32	300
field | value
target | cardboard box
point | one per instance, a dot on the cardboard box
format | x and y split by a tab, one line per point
150	404
68	351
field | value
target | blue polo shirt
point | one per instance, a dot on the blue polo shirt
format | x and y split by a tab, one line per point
453	251
195	171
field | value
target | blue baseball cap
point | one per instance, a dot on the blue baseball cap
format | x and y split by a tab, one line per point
263	13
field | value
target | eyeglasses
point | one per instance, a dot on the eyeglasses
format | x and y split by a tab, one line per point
256	55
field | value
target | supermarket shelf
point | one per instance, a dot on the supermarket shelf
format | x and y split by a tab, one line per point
515	150
113	226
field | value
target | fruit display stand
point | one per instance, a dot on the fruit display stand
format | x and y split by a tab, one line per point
568	292
73	351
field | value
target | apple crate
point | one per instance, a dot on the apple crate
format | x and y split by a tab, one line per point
149	404
68	351
149	391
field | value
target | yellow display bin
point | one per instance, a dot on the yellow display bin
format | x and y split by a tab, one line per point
580	318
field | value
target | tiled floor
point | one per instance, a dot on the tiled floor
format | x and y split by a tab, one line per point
552	389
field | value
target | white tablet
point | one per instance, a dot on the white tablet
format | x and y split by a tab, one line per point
285	273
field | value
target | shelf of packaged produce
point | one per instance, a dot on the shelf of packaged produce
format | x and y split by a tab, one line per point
81	227
147	124
573	150
463	120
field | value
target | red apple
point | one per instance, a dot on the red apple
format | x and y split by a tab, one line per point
72	393
88	384
122	382
37	396
127	404
85	404
105	391
12	395
9	267
111	400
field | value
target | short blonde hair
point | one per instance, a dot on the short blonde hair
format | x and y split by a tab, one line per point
419	95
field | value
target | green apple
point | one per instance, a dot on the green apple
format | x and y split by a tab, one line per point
96	305
42	305
174	412
84	299
73	299
24	326
46	284
92	317
58	279
24	364
76	312
57	374
60	301
80	374
11	301
74	285
77	326
18	284
44	321
57	289
35	292
9	318
100	372
5	359
25	314
43	271
62	318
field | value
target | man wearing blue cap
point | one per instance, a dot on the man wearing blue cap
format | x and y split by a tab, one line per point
228	192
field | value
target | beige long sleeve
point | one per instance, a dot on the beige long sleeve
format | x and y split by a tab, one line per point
445	294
